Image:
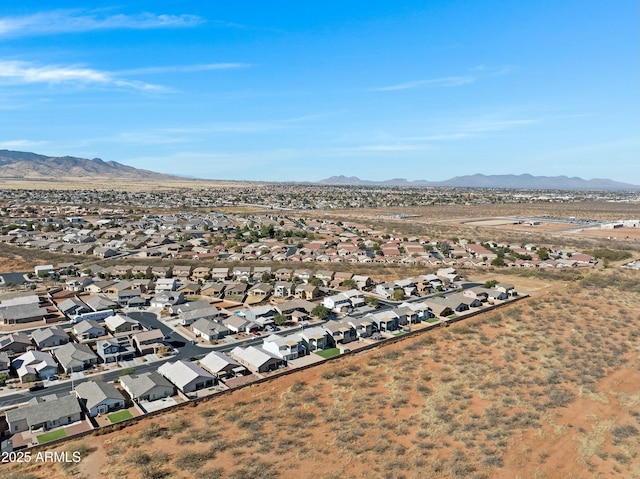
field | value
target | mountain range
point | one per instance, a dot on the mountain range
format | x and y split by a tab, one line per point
524	181
25	165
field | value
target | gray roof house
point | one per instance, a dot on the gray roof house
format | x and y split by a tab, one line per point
70	307
45	412
88	329
187	376
189	317
99	397
34	365
4	362
148	386
115	349
15	343
285	347
257	359
75	357
209	330
221	365
121	323
49	337
148	342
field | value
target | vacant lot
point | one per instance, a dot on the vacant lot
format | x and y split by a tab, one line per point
546	388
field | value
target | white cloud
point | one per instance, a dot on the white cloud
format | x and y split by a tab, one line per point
19	72
434	82
185	68
74	21
20	144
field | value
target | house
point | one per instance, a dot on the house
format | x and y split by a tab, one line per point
72	307
209	330
189	317
44	412
121	324
384	320
287	348
406	315
307	291
126	296
261	291
220	274
78	285
34	365
290	307
303	275
15	343
256	359
167	299
509	289
182	272
221	365
337	302
187	376
363	326
147	386
49	337
201	273
355	297
341	331
190	306
479	293
238	324
362	282
4	362
115	349
283	289
75	357
22	309
242	273
340	277
236	291
387	289
147	342
494	294
261	315
88	329
100	303
325	276
161	271
104	252
99	397
190	290
316	338
284	274
166	284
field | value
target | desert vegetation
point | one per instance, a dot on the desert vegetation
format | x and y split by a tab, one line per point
548	387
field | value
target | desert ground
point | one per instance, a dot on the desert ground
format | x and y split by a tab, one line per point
548	387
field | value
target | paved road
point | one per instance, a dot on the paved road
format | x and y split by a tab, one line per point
15	278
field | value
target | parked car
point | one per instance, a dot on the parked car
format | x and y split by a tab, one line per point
36	387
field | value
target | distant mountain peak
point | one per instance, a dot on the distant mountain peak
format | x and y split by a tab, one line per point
25	165
509	181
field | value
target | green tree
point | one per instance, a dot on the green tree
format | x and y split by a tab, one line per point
349	283
320	311
280	319
543	253
398	295
371	301
498	262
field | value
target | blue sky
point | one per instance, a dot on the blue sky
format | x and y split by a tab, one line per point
290	90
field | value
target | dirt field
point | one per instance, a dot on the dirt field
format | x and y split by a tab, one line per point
546	388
